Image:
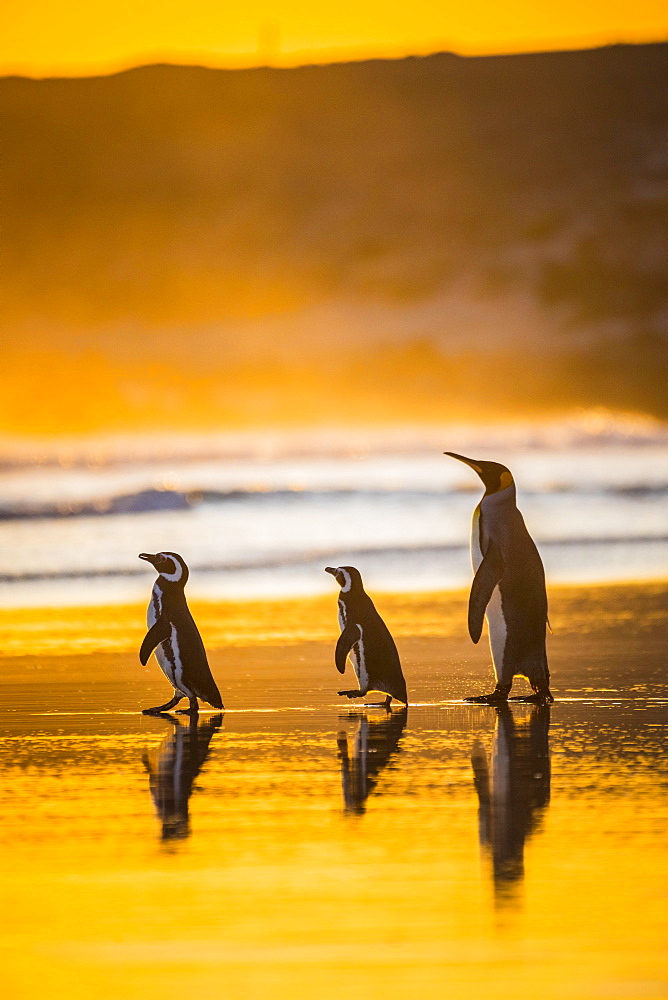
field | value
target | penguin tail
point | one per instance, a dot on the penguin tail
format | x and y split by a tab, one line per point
216	701
537	673
210	694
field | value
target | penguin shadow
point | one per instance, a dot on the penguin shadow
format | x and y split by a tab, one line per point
513	787
173	767
365	753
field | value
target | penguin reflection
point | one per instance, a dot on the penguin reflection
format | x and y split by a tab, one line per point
513	791
173	768
366	753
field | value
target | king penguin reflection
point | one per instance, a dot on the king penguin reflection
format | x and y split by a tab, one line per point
513	788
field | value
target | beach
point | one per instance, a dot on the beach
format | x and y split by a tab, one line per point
299	844
288	297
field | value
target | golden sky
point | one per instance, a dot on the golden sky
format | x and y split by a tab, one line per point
79	37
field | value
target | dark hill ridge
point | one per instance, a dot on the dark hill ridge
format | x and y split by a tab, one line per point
501	203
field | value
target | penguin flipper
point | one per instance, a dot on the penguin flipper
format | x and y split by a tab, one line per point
155	635
487	577
351	634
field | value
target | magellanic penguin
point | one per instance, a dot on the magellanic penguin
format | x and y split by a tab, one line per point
366	637
174	636
508	587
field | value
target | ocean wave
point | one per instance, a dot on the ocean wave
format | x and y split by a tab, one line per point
321	558
155	500
144	501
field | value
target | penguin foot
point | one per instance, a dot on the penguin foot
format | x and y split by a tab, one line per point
352	694
495	698
378	704
539	698
499	696
163	708
192	709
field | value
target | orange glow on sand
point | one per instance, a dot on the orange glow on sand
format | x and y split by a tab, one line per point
228	625
268	856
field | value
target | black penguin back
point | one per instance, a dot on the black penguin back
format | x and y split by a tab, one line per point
190	649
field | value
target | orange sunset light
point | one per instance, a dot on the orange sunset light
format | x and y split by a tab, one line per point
71	38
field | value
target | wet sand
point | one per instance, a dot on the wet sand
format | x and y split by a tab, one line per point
301	846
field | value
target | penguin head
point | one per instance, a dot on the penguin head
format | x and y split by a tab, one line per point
495	476
169	565
347	577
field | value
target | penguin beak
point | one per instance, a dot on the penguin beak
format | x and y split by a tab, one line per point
148	557
330	569
466	461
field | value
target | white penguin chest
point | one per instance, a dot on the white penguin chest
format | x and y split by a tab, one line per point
357	652
342	615
154	606
476	551
496	623
167	653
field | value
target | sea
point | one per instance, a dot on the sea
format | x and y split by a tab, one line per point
259	514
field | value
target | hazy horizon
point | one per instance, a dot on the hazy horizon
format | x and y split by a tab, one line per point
410	241
79	40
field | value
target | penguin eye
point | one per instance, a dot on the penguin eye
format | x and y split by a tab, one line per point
166	565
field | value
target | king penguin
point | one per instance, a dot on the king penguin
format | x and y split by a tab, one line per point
508	587
175	638
366	637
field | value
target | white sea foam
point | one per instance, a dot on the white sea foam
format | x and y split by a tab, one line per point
263	524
